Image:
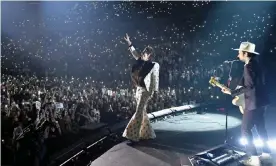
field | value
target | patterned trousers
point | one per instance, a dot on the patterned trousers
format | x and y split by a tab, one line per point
139	126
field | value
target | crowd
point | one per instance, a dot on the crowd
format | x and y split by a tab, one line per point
60	106
71	67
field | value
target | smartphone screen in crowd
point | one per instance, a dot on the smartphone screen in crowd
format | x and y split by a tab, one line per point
59	105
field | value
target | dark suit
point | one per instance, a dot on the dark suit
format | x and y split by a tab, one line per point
256	98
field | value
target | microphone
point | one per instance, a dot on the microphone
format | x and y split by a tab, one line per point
230	61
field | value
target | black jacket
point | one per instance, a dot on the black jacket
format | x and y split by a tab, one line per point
253	86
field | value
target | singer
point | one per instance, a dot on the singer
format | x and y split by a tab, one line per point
145	77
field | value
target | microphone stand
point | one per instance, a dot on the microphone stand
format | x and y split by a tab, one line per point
226	141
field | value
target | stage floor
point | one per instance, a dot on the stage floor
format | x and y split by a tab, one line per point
178	138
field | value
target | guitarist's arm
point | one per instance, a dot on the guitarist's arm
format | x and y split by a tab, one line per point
249	80
241	82
238	87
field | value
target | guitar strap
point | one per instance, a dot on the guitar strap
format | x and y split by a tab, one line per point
228	83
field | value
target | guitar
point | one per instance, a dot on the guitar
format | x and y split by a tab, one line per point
237	101
28	129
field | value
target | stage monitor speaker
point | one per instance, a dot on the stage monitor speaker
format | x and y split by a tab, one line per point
222	155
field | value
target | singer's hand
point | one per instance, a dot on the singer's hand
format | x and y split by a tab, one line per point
127	39
226	91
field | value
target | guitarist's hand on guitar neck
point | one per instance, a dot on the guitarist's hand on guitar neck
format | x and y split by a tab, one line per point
238	100
223	88
226	91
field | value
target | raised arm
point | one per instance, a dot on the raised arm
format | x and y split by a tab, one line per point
133	51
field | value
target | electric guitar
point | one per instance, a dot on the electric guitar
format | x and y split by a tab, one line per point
28	129
237	101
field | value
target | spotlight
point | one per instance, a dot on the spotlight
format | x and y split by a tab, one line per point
272	144
258	143
243	141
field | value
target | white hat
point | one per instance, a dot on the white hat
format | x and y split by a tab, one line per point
248	47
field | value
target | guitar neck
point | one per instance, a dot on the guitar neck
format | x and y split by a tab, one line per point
221	86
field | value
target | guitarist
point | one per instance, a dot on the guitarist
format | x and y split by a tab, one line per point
256	100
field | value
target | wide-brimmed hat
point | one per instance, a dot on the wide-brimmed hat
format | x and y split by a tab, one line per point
248	47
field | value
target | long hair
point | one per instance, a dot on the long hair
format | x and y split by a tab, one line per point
149	50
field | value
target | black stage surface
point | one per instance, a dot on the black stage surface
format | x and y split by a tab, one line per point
178	138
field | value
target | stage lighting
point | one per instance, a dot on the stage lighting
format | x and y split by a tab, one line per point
258	143
272	144
243	141
196	123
